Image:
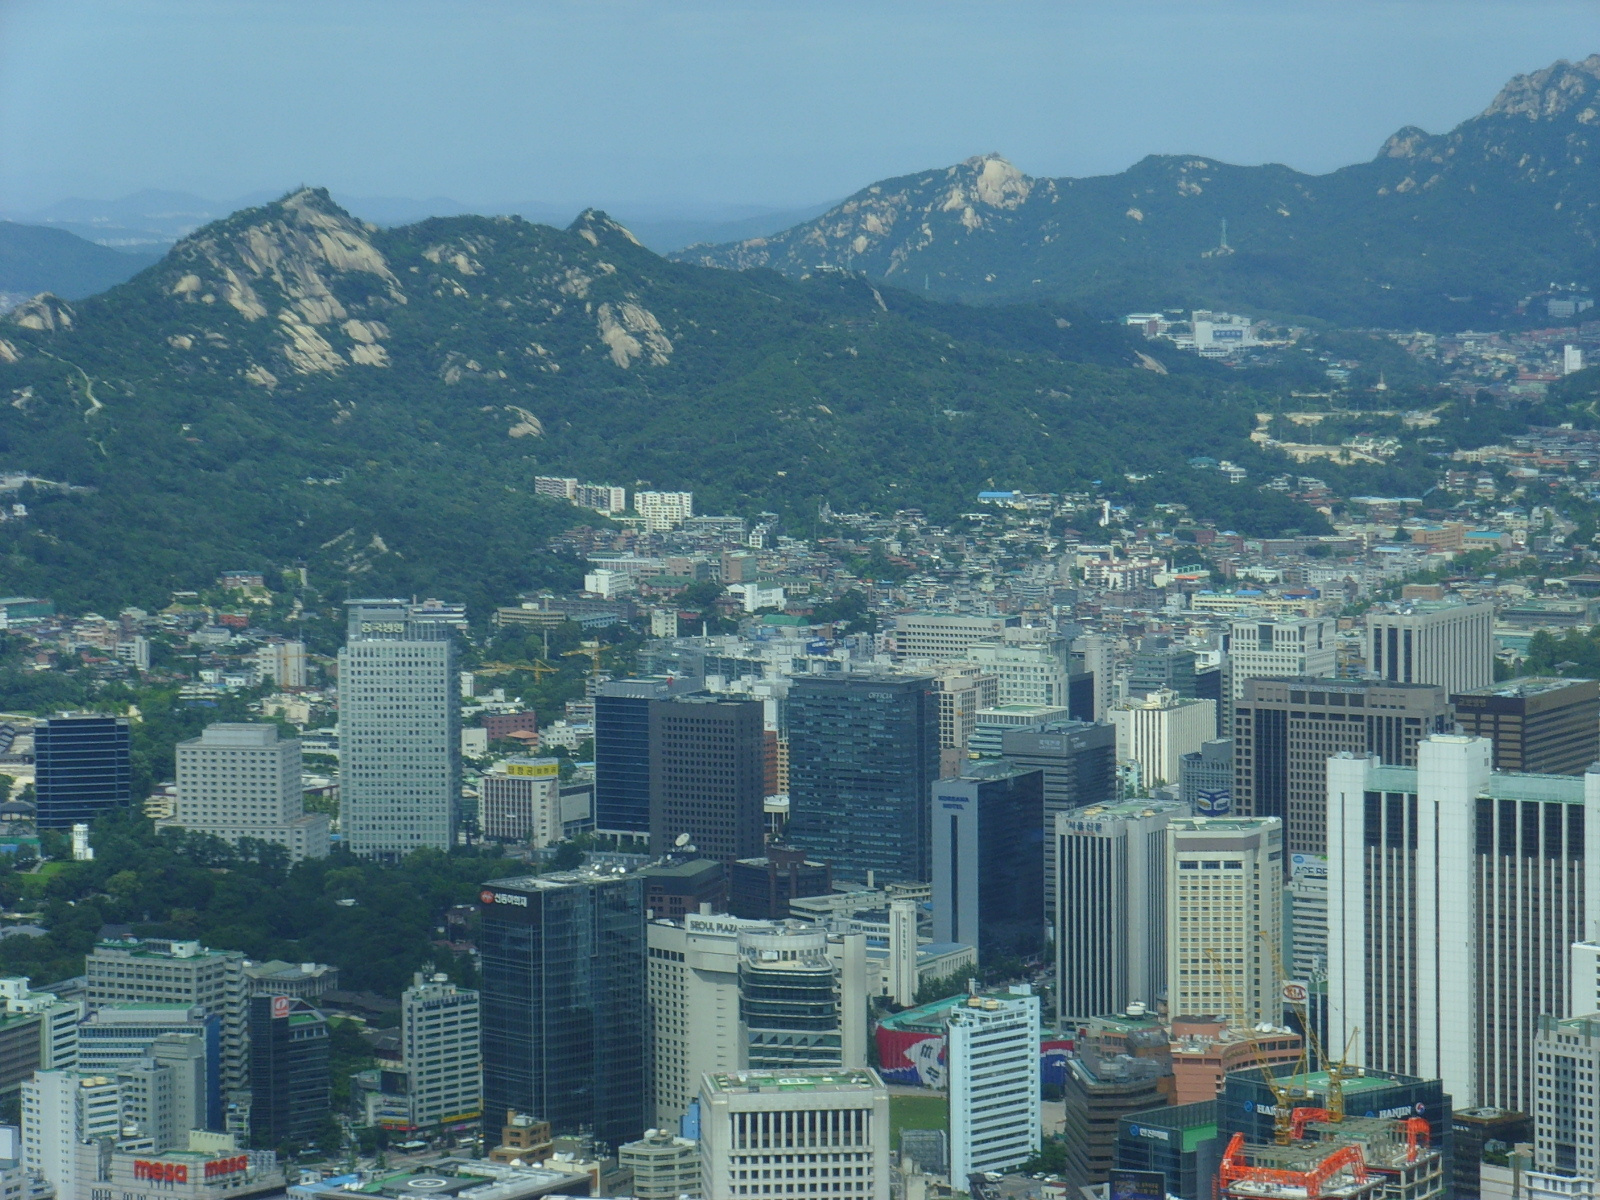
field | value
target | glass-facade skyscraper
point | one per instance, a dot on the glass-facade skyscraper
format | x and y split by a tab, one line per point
399	727
564	1002
863	752
622	750
83	767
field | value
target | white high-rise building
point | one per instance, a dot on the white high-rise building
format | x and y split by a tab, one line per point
58	1020
1029	672
243	781
399	728
439	1048
761	1131
1433	641
283	663
664	510
1455	894
903	952
1157	730
519	800
1224	913
1093	652
1566	1116
1259	648
1111	906
992	1049
942	635
1571	359
1308	915
60	1111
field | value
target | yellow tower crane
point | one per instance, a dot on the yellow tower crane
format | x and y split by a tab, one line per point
1283	1098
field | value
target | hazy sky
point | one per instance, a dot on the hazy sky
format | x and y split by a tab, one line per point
698	104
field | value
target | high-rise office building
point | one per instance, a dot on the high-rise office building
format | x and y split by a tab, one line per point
283	663
1566	1131
1432	641
992	1051
1307	890
1089	659
1111	905
439	1028
707	774
61	1110
151	970
82	768
756	1127
290	1096
1224	911
622	749
38	1031
1286	729
964	691
243	781
761	888
1285	646
1205	778
863	752
165	1093
399	728
1157	731
1079	761
943	635
797	1008
1029	672
116	1036
563	1001
1454	895
519	800
988	859
1541	726
1159	666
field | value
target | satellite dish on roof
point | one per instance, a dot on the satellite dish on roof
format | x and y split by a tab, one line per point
681	841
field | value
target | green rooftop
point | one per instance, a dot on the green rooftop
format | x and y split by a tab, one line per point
1563	789
792	1081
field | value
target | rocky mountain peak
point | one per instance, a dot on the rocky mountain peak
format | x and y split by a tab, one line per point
1561	88
596	228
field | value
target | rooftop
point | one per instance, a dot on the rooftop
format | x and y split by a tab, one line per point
1536	685
794	1081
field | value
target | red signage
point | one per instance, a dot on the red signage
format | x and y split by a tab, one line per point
280	1006
227	1166
161	1172
486	896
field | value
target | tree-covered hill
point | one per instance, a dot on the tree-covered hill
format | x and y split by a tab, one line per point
290	384
1441	232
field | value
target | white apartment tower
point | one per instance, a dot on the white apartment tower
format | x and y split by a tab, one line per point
1111	906
1470	888
284	663
664	510
1257	648
243	781
1433	641
993	1055
61	1110
1224	913
439	1047
399	728
774	1133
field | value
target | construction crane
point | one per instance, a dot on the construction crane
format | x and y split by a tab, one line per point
589	650
1283	1098
1313	1183
538	667
1338	1072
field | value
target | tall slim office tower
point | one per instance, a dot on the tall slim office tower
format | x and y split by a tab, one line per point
60	1111
988	859
1433	641
1543	726
1111	901
798	1007
781	1126
82	768
1454	897
399	729
1079	761
439	1027
290	1084
1092	654
1286	646
863	752
563	997
622	750
992	1050
1286	729
243	781
1224	914
707	770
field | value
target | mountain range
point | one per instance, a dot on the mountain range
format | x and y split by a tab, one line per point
1443	231
291	384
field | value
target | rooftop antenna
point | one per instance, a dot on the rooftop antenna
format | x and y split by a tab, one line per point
1222	246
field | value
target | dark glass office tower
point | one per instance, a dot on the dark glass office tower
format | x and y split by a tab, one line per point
708	775
83	767
622	750
988	859
1079	761
863	752
290	1097
564	1008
